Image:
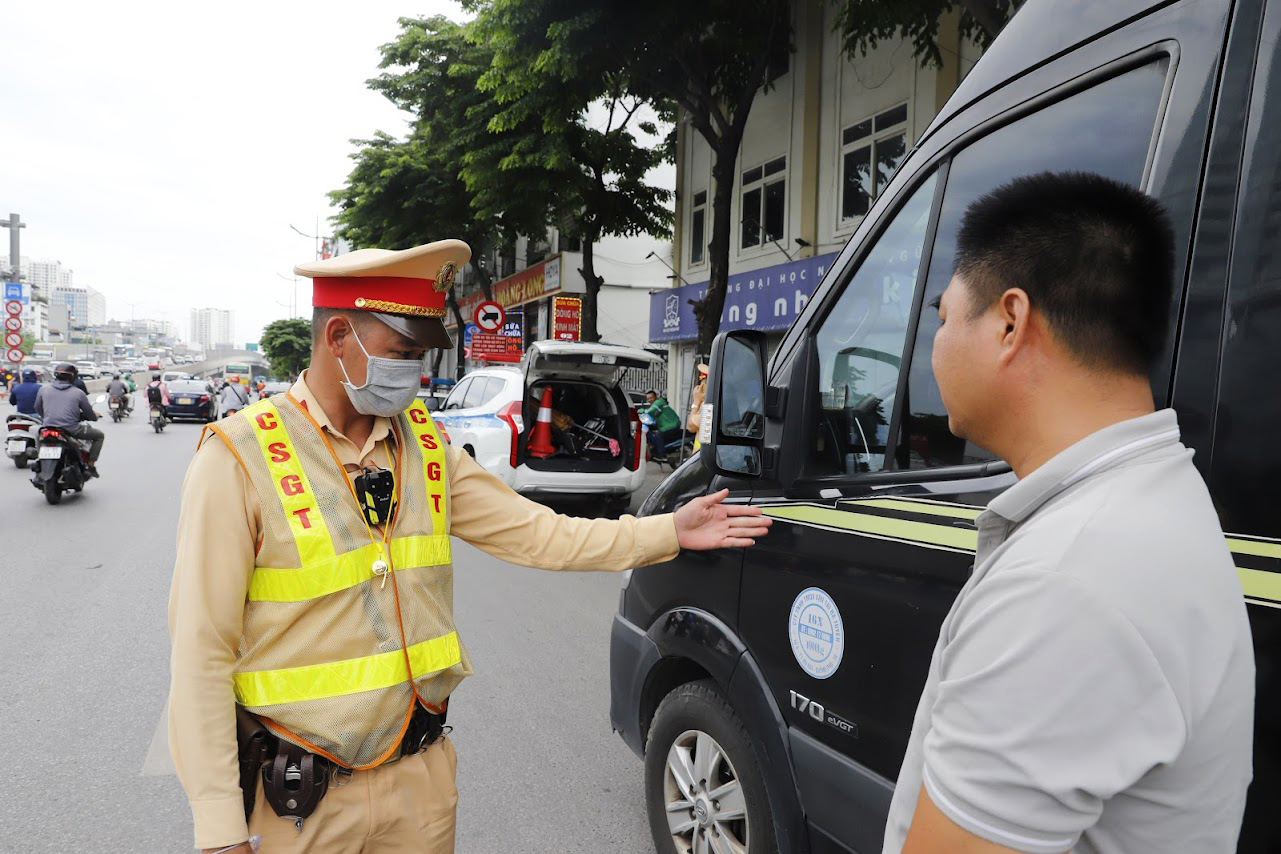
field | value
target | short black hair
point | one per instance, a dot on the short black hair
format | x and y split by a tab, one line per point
1095	256
651	391
320	316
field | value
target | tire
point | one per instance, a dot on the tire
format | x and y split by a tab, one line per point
52	492
20	462
158	425
696	730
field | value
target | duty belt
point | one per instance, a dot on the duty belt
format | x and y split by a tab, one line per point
294	779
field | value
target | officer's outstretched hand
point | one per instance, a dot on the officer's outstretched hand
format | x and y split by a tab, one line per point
706	523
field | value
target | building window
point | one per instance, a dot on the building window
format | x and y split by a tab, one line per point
569	244
764	198
698	229
870	152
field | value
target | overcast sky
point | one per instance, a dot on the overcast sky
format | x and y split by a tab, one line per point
162	150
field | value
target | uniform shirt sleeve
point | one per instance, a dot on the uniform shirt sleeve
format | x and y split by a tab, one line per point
1049	703
217	538
488	514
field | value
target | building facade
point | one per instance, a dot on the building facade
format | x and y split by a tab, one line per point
540	287
87	307
212	328
819	146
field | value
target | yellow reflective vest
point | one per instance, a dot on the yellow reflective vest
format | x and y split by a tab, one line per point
343	634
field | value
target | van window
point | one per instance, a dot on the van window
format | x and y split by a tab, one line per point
860	345
1106	129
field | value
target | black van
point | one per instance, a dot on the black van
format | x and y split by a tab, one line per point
783	680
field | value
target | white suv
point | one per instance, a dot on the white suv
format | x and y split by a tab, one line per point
601	453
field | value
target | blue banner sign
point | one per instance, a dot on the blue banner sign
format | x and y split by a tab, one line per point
768	299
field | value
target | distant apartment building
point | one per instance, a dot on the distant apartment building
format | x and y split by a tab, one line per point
86	306
45	275
212	328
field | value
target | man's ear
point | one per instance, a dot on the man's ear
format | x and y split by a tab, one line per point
336	331
1014	311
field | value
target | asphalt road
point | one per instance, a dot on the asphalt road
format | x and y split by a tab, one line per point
84	676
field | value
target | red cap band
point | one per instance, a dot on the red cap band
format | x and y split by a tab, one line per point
392	294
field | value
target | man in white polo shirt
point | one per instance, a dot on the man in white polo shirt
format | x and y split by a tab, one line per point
1092	689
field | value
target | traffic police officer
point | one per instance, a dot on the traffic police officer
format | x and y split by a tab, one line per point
312	600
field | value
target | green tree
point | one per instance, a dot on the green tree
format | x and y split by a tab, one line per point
709	58
28	343
865	23
402	193
580	132
287	345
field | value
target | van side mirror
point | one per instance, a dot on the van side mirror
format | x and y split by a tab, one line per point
731	428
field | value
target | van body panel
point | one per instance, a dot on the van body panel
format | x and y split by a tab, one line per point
888	548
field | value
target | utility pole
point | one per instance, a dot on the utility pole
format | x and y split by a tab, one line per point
13	223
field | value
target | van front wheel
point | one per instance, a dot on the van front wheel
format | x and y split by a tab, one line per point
703	787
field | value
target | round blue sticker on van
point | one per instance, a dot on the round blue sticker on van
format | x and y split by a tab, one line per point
816	632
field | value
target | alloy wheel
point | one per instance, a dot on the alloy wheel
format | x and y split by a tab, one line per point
706	810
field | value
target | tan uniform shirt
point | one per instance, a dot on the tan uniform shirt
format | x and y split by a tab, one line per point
219	529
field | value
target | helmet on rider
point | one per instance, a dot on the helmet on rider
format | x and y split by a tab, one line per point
65	371
28	376
156	377
116	376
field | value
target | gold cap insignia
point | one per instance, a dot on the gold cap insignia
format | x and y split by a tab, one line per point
445	278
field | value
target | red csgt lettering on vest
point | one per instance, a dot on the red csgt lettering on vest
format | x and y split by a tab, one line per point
301	513
266	421
433	471
435	502
278	452
291	484
418	416
428	440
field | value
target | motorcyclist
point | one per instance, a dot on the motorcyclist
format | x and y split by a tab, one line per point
158	392
23	394
63	405
118	388
233	396
667	424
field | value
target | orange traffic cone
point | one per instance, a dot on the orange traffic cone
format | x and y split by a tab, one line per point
540	441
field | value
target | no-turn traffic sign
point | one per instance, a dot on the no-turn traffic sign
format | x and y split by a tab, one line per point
14	307
12	323
13	339
489	316
14	355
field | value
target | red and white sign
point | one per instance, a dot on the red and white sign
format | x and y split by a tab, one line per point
567	319
488	347
489	316
13	330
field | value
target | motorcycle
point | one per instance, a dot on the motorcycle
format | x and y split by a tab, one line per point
676	452
63	463
158	417
118	409
20	438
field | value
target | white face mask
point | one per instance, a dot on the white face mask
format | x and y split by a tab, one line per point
390	384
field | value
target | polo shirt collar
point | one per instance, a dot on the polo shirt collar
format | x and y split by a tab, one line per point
1098	452
301	393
